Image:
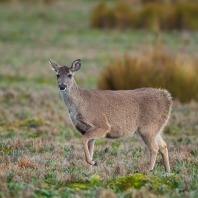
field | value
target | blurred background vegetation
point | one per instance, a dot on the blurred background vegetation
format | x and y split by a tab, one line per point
123	44
159	68
97	32
153	15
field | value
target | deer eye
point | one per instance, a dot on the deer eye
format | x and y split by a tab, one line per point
58	75
69	75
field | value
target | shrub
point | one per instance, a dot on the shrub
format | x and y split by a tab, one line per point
35	1
151	1
138	2
152	15
149	17
168	17
124	16
157	68
187	15
5	1
102	16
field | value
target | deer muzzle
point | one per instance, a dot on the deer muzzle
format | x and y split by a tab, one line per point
62	86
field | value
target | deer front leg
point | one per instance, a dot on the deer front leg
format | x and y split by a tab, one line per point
91	149
90	136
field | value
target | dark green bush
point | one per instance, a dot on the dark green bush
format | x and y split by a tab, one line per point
153	16
149	17
151	1
138	2
124	16
157	69
156	16
35	1
5	1
187	16
102	17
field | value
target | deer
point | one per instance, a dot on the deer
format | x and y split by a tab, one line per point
115	114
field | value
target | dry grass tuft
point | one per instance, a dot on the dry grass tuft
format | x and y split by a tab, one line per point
3	166
119	170
24	162
143	193
156	68
102	193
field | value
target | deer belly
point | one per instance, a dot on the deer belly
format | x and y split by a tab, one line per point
118	132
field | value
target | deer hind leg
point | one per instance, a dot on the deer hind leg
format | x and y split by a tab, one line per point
153	148
150	142
91	135
91	149
164	152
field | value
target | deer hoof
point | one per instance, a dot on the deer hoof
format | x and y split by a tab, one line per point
91	163
95	164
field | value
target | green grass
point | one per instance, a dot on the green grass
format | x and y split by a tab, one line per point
40	152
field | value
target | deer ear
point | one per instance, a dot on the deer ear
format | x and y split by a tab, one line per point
75	65
54	65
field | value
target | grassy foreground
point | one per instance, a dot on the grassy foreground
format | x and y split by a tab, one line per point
41	155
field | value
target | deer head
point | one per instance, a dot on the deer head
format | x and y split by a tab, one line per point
65	74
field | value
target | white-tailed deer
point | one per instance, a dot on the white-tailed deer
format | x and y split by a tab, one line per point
114	114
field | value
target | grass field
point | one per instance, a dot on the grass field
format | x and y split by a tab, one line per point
41	154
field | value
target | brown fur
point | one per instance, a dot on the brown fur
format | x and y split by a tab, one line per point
114	114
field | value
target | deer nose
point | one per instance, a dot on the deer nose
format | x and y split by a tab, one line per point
62	86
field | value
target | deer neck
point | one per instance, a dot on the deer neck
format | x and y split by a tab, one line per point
72	96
